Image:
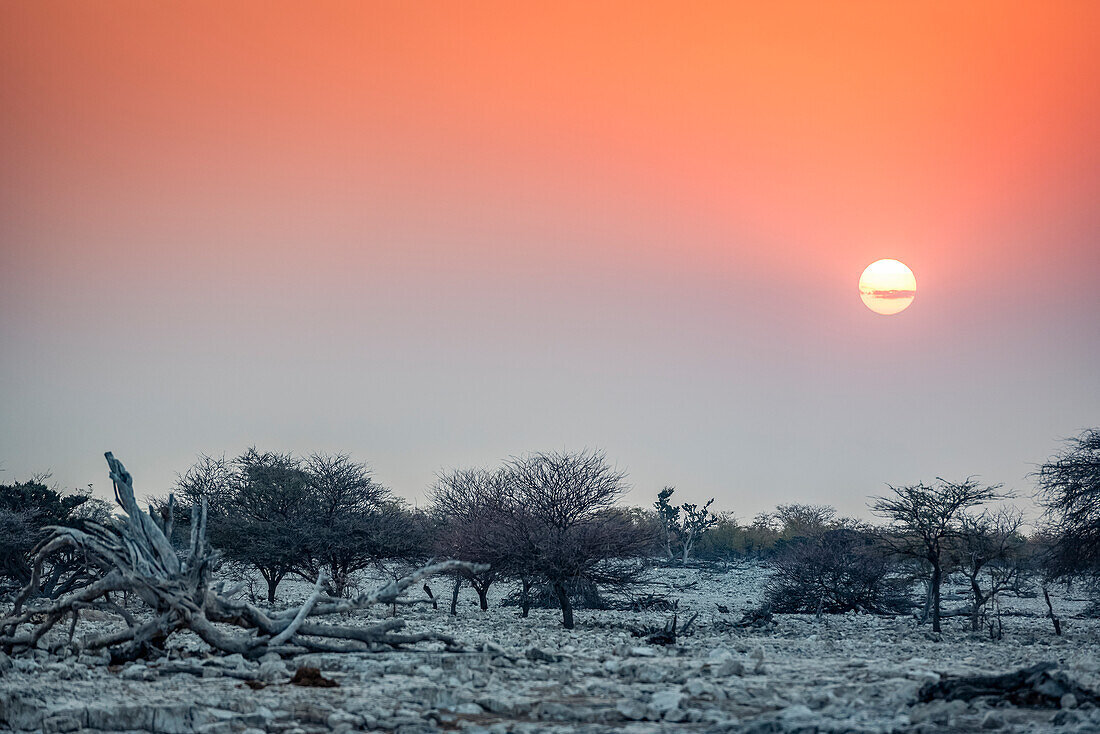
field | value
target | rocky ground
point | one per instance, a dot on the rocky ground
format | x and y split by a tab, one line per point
850	673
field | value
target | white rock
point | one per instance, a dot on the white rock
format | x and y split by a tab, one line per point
272	671
631	709
664	701
133	672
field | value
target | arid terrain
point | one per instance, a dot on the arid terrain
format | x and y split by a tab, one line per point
847	673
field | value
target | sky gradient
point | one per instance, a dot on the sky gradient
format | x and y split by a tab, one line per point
437	234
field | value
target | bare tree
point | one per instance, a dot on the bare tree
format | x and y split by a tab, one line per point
1069	490
471	506
924	518
563	525
989	544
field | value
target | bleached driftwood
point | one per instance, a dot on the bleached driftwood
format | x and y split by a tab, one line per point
134	555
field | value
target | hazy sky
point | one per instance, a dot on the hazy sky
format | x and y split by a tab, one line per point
436	234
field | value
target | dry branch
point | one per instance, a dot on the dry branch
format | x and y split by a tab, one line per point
135	556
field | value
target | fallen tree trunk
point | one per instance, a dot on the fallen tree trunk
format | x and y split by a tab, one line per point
134	555
1039	686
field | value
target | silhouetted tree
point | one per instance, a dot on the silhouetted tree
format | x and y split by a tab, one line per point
924	519
1069	490
682	524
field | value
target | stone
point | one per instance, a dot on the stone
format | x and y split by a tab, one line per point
272	671
729	667
993	720
664	701
631	709
646	673
538	655
136	671
61	723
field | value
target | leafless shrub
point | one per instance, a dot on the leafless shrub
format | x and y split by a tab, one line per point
835	572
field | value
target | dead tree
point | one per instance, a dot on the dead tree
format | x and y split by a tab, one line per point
924	519
134	555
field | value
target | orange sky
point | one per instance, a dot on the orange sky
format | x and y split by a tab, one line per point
335	166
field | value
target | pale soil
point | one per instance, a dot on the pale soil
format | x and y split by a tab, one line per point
851	673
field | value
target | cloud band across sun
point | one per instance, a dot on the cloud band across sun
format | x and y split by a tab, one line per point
889	293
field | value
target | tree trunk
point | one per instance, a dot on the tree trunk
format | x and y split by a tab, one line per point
482	596
927	602
566	607
272	578
1050	609
936	578
454	596
978	601
525	597
688	540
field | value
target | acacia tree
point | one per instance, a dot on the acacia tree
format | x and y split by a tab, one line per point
256	505
28	512
470	506
1069	490
989	543
348	521
923	520
562	524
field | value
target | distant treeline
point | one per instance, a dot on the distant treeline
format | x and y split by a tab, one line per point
552	524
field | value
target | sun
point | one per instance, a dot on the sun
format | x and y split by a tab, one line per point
887	287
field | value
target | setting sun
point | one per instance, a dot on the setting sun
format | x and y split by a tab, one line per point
887	287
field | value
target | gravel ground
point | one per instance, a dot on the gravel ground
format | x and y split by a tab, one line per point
849	673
